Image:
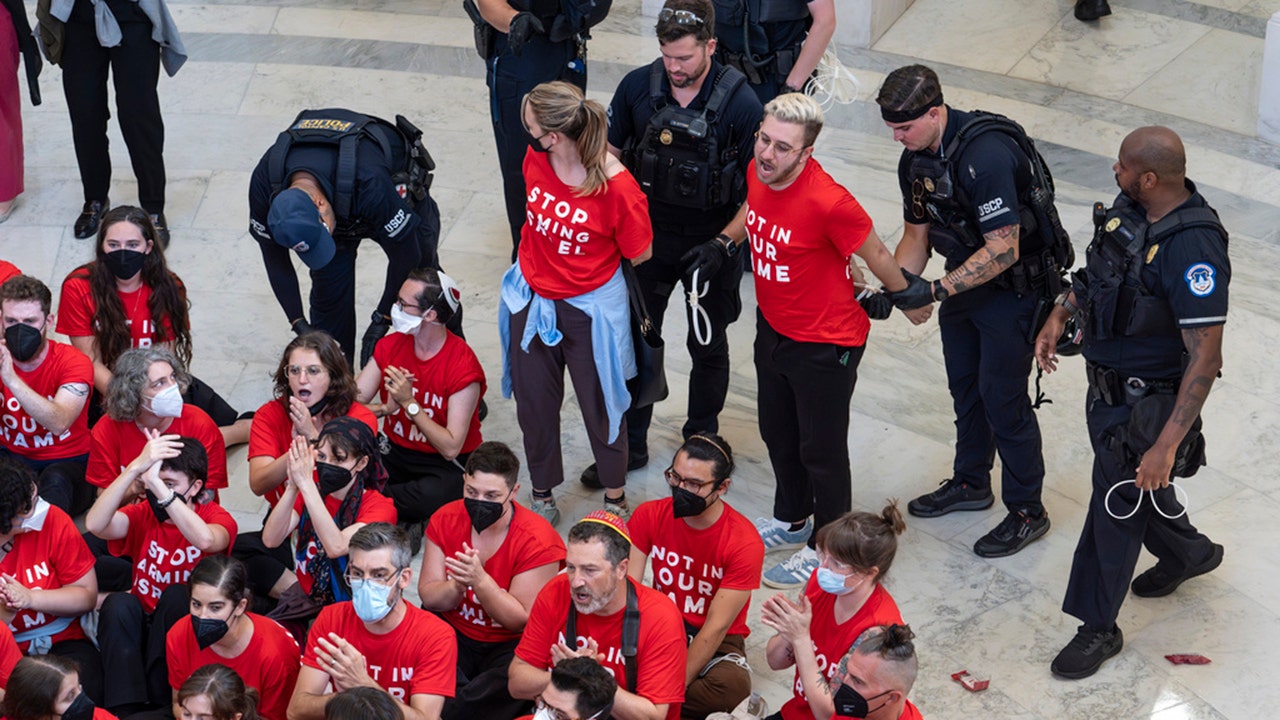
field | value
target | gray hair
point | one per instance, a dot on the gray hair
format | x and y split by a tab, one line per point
129	377
378	535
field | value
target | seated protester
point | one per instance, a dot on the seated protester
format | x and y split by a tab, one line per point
485	559
707	557
430	383
854	555
220	629
332	493
588	602
216	692
579	688
377	639
9	657
165	537
362	703
47	579
127	297
45	387
43	687
873	679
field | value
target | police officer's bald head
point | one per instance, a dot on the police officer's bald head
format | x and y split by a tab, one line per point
1158	150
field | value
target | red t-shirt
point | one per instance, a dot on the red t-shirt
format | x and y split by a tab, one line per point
801	239
8	270
22	435
269	663
689	565
52	557
76	308
161	555
374	507
531	542
832	641
910	712
418	657
572	245
272	433
660	653
450	371
117	442
9	655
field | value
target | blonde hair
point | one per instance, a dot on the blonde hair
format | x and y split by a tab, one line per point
797	109
560	107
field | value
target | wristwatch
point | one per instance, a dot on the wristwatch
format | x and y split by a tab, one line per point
412	409
1064	299
939	292
173	495
730	247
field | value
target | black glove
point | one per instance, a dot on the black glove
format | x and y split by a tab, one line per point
877	304
377	329
917	294
561	29
301	326
705	258
523	26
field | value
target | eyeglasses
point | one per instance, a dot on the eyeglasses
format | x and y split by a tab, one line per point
681	17
381	576
835	565
764	142
404	306
309	371
690	484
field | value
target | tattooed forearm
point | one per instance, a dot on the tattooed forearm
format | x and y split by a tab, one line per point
77	389
1191	400
997	255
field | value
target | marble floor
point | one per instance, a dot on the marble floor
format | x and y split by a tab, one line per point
1077	88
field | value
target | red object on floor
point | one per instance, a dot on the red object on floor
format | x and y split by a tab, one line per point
971	682
1187	659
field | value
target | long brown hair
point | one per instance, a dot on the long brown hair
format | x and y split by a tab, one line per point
560	107
168	303
33	686
342	383
226	692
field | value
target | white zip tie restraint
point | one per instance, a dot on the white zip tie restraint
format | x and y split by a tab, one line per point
1179	494
832	82
698	316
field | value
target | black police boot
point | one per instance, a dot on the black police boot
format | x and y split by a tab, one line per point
162	229
1089	10
90	218
591	476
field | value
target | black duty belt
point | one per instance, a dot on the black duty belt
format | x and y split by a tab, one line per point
1116	389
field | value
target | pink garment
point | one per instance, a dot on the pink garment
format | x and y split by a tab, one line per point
10	113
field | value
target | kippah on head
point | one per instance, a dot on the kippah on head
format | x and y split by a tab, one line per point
294	221
608	519
449	291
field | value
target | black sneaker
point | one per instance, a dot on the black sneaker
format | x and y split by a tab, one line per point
1086	652
591	476
1016	531
162	229
1158	583
1090	10
950	497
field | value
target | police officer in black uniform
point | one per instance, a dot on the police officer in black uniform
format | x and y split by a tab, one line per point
971	202
684	125
777	44
1153	301
525	43
334	177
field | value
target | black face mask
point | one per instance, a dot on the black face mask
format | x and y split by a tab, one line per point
124	264
80	709
483	512
685	503
332	477
535	142
851	704
23	341
318	408
161	513
208	630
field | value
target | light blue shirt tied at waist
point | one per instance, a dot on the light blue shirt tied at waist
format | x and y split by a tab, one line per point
163	29
611	347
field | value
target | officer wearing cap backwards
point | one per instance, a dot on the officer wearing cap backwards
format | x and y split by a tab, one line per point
296	194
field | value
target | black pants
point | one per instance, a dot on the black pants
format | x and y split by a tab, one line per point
482	682
1108	550
115	574
421	483
804	392
510	78
60	482
263	565
988	359
134	65
132	644
88	659
709	374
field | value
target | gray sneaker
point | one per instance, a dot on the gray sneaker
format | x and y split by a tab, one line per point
546	508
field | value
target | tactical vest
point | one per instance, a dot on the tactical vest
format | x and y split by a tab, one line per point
678	159
1117	303
401	145
739	12
954	233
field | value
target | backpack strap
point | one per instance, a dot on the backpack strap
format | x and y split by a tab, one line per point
630	633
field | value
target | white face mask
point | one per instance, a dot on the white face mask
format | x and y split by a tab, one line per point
544	714
403	322
168	402
35	523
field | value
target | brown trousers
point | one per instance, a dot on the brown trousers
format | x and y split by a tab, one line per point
722	687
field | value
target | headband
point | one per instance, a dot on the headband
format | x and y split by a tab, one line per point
713	444
901	116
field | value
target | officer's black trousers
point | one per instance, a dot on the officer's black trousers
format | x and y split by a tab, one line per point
804	392
133	647
709	375
988	358
1108	549
482	682
135	69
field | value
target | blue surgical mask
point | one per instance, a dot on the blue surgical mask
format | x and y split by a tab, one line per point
832	581
370	599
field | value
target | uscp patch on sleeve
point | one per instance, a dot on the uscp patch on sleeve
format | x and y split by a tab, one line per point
1200	279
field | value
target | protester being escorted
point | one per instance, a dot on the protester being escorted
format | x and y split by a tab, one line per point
579	688
164	537
564	301
216	692
221	629
880	668
127	297
856	552
377	640
42	687
596	606
429	383
362	703
811	330
47	580
485	558
44	390
332	493
707	557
